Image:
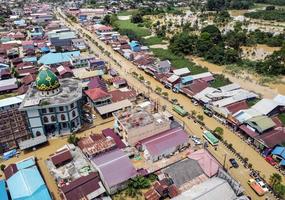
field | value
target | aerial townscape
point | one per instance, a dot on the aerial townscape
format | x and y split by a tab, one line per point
142	99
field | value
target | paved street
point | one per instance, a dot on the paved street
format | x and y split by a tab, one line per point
240	174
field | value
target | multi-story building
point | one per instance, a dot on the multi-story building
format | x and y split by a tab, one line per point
136	124
13	127
53	106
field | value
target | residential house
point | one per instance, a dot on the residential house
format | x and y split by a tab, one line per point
79	44
135	46
13	127
96	144
61	37
137	124
57	58
164	144
182	72
8	85
98	97
115	169
27	174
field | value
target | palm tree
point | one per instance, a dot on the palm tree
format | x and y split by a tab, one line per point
275	179
200	117
219	131
193	112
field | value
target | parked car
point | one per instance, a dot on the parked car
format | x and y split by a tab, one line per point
87	117
234	163
208	113
262	184
271	161
196	140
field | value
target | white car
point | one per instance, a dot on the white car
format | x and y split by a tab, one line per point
196	141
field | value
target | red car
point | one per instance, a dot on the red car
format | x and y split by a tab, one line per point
271	161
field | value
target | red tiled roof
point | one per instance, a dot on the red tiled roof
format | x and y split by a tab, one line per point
235	107
152	194
273	137
109	132
173	191
96	94
96	144
118	95
196	87
81	187
22	90
29	79
248	131
61	157
10	170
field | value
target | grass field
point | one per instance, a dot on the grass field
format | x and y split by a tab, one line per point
153	40
127	12
178	61
219	81
127	24
251	102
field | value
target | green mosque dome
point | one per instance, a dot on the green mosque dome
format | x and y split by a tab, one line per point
46	80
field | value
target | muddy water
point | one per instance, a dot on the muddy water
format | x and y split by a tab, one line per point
258	52
247	81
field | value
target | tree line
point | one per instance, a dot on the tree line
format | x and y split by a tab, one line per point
226	49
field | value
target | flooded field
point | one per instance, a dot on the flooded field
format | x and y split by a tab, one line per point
245	80
258	52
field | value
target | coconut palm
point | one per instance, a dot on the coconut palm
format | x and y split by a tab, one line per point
275	179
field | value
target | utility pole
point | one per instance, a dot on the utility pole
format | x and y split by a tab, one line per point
225	157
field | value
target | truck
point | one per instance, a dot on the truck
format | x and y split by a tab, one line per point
259	190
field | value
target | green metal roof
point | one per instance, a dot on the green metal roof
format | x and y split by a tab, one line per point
261	123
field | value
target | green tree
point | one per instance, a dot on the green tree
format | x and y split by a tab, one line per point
182	43
158	89
137	18
219	130
135	184
200	117
106	20
275	179
72	139
193	112
279	189
2	167
215	33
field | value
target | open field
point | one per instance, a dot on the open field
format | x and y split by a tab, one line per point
127	24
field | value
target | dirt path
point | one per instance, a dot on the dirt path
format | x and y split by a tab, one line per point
247	81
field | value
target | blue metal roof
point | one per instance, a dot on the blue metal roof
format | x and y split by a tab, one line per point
3	191
186	79
279	151
55	58
26	163
30	59
134	44
32	185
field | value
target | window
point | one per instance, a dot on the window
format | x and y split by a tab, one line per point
62	117
50	109
45	119
44	110
72	105
61	108
53	118
64	125
73	114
